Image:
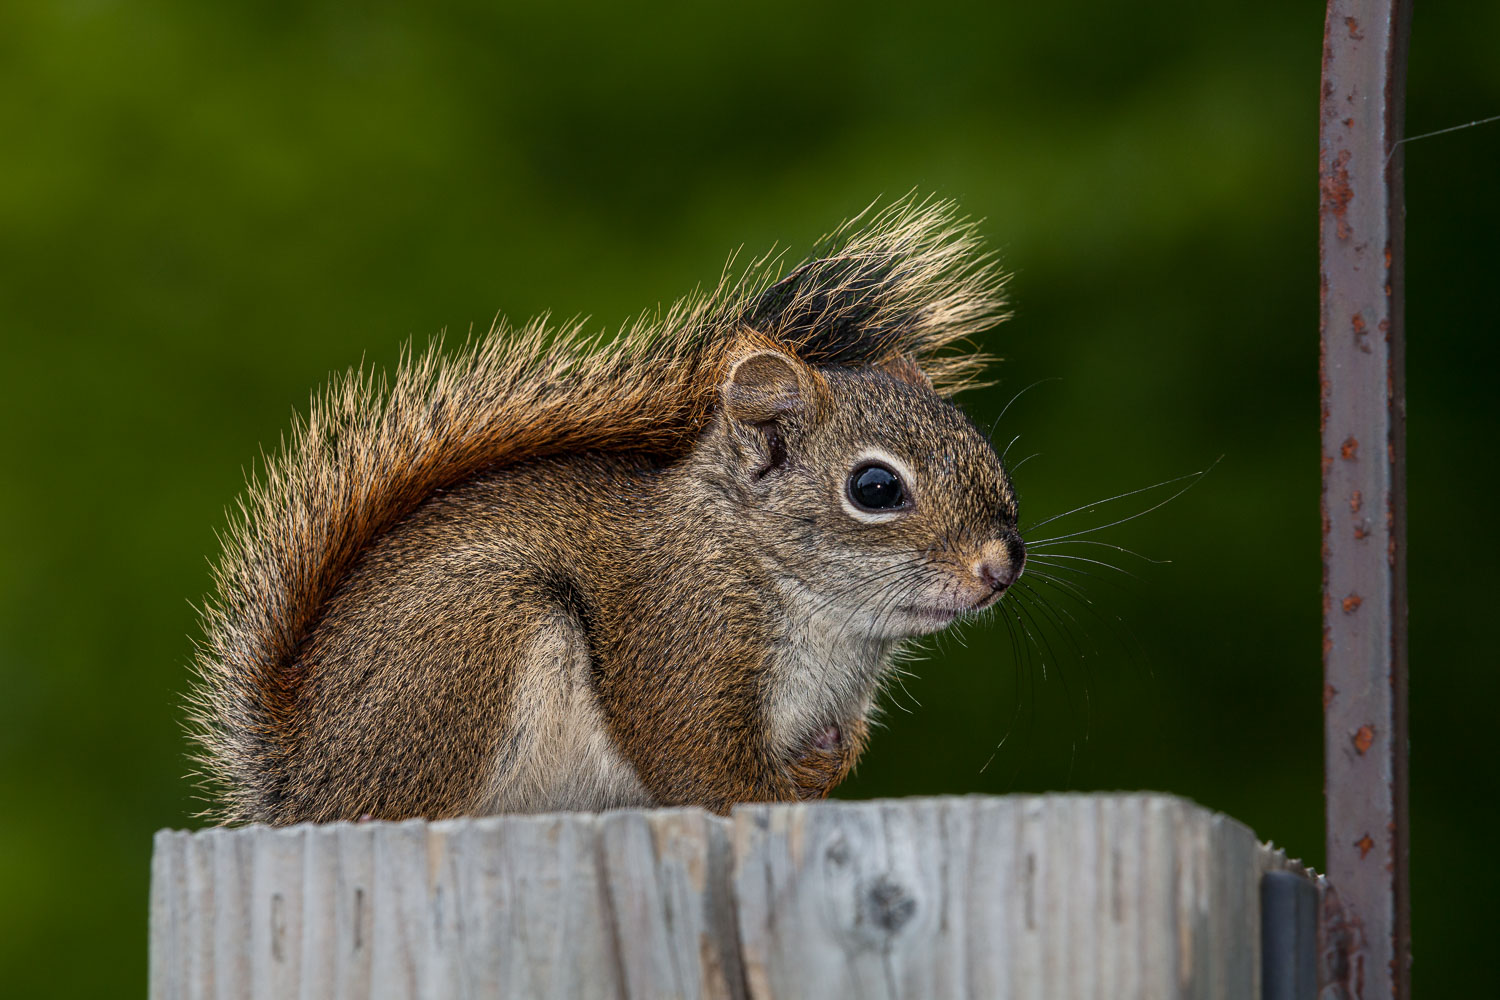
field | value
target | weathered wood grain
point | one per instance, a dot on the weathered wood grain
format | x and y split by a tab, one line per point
1047	896
1056	896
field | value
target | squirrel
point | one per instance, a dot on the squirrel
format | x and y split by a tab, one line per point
550	572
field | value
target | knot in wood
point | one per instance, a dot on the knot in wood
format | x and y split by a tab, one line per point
887	905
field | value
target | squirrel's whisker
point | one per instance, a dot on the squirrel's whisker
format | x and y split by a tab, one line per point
1049	560
1023	461
1194	477
1044	546
1006	408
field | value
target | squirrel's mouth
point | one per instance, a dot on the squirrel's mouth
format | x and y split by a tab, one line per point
936	616
991	599
933	614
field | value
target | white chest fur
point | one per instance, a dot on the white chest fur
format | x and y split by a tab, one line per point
826	669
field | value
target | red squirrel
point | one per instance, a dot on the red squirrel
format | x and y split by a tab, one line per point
548	572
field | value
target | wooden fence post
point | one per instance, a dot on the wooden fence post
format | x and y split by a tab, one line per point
1107	896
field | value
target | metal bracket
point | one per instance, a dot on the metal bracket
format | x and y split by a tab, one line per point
1288	937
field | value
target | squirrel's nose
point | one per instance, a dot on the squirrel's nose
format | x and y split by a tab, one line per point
1000	563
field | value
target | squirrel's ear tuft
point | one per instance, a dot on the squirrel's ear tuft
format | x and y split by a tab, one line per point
763	385
904	368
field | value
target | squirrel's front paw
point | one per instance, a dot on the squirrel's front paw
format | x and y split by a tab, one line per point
826	758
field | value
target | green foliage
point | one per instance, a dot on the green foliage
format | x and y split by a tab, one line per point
206	208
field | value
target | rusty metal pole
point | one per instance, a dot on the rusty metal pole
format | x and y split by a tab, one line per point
1366	920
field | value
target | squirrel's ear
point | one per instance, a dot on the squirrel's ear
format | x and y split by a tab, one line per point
766	384
904	367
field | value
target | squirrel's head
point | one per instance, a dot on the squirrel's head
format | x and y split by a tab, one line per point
870	497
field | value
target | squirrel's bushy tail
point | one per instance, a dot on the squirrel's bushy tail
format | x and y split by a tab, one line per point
908	280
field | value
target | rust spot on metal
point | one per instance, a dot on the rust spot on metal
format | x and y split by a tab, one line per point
1360	330
1364	737
1349	450
1353	25
1351	603
1356	500
1329	691
1349	124
1334	185
1340	942
1390	531
1385	323
1365	845
1362	530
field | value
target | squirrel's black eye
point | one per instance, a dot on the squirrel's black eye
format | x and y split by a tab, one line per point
876	487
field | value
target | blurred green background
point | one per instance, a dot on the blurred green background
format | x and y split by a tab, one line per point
206	208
